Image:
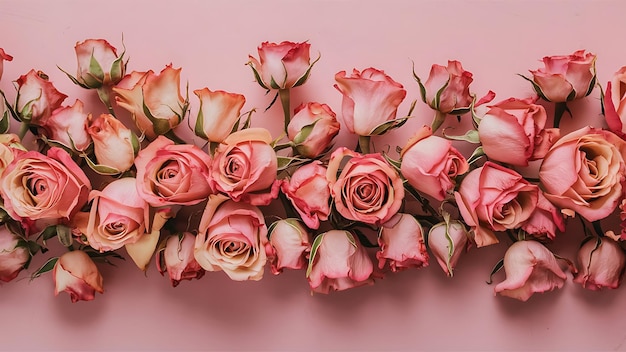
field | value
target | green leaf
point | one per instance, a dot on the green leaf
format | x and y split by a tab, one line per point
64	234
305	132
419	82
257	76
389	125
199	129
437	101
47	233
316	244
305	76
499	265
46	267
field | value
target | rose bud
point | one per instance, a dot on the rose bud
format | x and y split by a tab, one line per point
312	128
14	255
370	99
4	57
401	241
338	262
76	274
282	66
530	267
288	245
601	263
68	126
98	64
218	114
545	220
115	145
36	98
177	259
309	193
447	240
615	103
447	88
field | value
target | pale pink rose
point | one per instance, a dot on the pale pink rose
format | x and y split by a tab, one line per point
583	173
368	189
512	132
36	186
218	114
177	259
14	255
601	264
430	164
370	98
114	145
289	245
339	262
530	267
118	216
68	126
154	101
244	167
309	192
565	78
9	146
36	98
312	129
282	66
232	237
401	241
4	57
447	88
76	274
615	103
495	198
545	220
447	241
98	64
172	174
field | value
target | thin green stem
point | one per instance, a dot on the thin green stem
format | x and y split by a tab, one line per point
440	117
104	93
285	101
23	129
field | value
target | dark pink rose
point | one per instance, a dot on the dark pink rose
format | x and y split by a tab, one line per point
447	88
4	57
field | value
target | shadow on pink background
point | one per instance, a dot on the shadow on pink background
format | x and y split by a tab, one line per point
413	310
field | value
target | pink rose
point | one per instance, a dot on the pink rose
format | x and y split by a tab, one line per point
583	173
447	88
370	99
338	262
35	186
218	114
430	164
114	145
447	240
244	167
9	146
289	245
172	174
512	132
530	267
309	192
601	262
545	220
68	126
177	259
565	78
4	57
312	129
36	98
14	255
98	64
495	198
76	274
615	103
401	241
232	237
367	190
282	66
154	101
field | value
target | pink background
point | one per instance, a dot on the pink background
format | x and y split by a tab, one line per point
412	310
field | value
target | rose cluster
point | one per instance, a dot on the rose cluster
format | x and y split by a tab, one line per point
126	179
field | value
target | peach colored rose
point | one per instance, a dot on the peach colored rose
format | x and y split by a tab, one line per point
9	146
36	186
338	262
309	193
430	164
4	57
14	255
312	129
172	174
565	78
244	167
282	66
447	241
218	114
401	241
114	145
495	198
232	237
154	101
370	98
512	132
76	274
530	267
615	103
68	126
177	259
367	190
288	246
583	173
36	98
447	88
98	64
601	264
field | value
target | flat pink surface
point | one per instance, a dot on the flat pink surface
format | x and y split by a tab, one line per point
412	310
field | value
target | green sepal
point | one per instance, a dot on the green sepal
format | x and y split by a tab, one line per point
46	267
64	235
470	136
257	76
101	169
396	164
9	107
437	100
305	76
365	242
388	125
47	233
419	82
535	87
499	265
95	69
286	161
92	253
273	83
305	132
314	247
476	154
199	128
73	79
4	122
